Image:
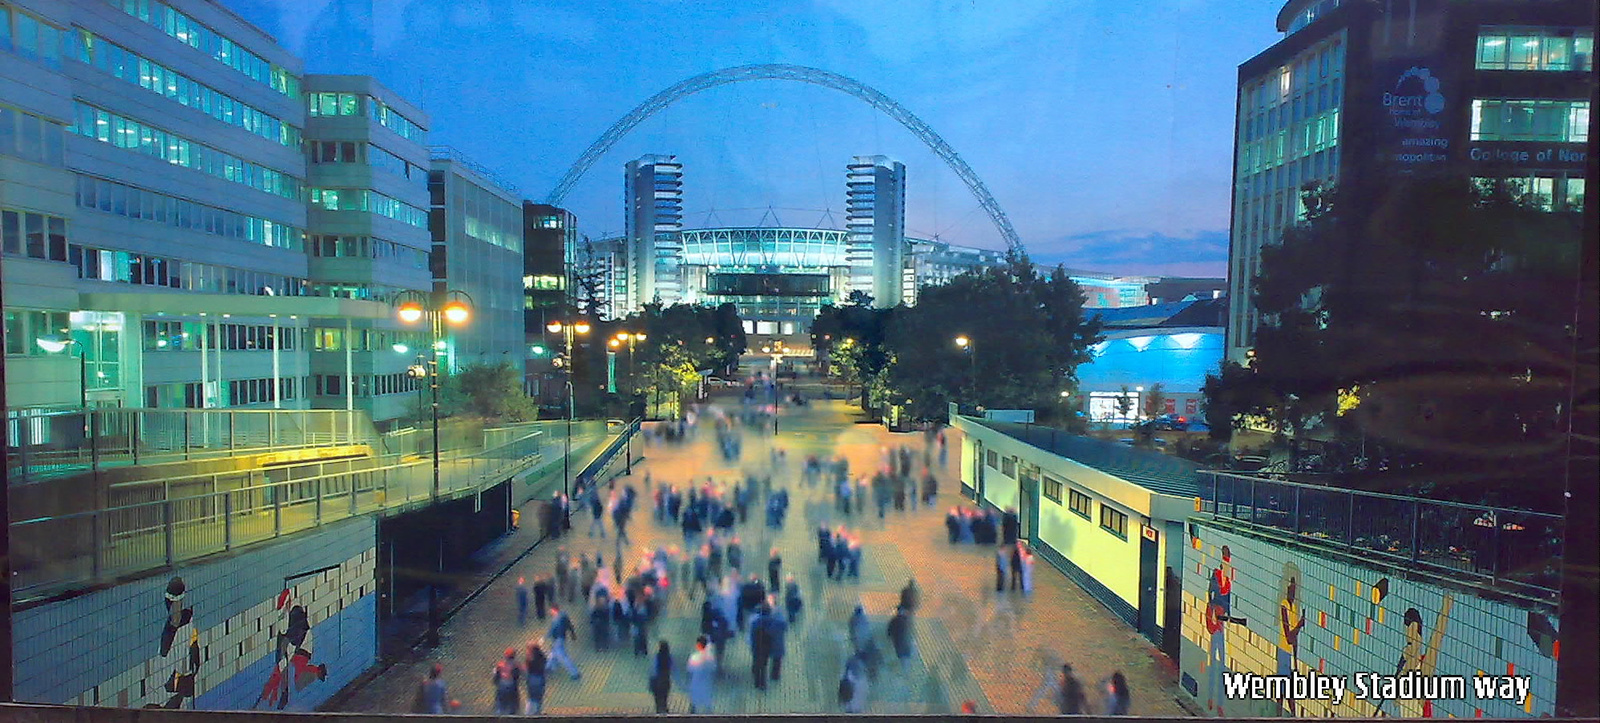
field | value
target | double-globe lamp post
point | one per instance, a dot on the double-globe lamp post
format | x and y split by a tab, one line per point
965	342
567	330
440	308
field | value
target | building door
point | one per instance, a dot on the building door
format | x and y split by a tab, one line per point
1148	570
1172	615
1028	501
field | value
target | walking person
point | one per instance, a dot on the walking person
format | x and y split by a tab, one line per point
853	685
1027	571
534	669
774	569
596	514
544	593
661	675
777	622
760	648
792	602
522	601
432	695
1064	690
999	569
1118	701
507	684
563	574
702	677
561	630
1016	565
900	636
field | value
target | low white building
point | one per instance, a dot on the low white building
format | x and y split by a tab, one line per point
1109	516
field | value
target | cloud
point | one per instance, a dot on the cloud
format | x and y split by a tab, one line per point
1124	251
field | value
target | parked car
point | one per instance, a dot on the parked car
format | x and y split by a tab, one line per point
1170	422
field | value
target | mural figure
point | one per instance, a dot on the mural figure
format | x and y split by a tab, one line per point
292	653
1291	620
183	664
1219	612
1416	659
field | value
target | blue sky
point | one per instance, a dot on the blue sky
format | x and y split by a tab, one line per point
1103	127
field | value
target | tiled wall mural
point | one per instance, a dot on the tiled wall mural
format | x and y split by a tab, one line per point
280	627
1270	630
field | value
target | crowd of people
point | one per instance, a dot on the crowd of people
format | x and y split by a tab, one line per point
719	572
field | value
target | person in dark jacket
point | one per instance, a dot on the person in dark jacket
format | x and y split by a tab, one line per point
1011	527
507	684
952	525
999	569
910	597
792	603
760	647
1016	566
544	593
661	675
777	629
534	672
900	637
774	569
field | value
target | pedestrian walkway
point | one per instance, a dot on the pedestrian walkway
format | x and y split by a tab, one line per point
970	642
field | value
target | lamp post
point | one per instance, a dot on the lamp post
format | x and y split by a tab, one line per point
57	345
965	342
440	308
567	330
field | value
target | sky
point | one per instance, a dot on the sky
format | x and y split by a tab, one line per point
1102	127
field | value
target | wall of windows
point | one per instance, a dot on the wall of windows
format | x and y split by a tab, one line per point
360	199
123	132
30	36
391	119
1113	521
334	338
30	137
359	290
36	235
124	267
333	104
132	202
1546	49
1080	503
138	70
1549	190
23	326
367	248
320	152
200	37
187	336
366	385
1559	121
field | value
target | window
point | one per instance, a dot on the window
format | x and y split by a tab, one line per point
391	119
30	137
1535	49
190	32
107	127
1080	503
1052	489
34	234
1008	467
333	104
1560	121
1113	521
992	459
96	193
31	37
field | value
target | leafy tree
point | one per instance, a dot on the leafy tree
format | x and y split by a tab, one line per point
1027	334
1231	395
1155	401
1124	402
1424	321
489	391
680	341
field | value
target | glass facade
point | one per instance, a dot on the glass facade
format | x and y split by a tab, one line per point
391	119
196	35
127	133
1289	131
1558	121
30	37
121	199
361	199
1523	48
31	137
124	64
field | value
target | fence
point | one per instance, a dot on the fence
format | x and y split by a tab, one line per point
187	517
45	443
1516	550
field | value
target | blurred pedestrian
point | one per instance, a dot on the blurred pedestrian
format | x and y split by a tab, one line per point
661	675
432	695
774	569
522	601
507	684
702	677
1118	700
561	629
534	669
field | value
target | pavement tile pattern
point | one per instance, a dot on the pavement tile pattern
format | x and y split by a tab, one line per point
971	643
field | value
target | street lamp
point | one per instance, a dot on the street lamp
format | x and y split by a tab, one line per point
568	329
966	344
59	344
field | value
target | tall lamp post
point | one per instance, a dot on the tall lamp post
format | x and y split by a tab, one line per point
57	345
965	342
567	330
440	308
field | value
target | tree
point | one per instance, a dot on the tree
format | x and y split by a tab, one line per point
1124	402
1425	322
489	391
680	342
1027	334
1155	401
1232	394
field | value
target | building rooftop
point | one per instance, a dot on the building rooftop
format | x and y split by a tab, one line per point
1157	472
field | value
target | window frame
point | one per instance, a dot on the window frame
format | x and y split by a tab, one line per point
1116	516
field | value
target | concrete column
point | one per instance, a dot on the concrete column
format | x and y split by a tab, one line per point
277	369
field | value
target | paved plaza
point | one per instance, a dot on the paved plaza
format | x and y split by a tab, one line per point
971	643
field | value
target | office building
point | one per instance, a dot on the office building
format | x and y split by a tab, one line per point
875	217
654	199
1357	93
477	229
367	187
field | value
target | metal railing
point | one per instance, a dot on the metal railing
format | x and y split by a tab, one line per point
42	444
1515	550
184	518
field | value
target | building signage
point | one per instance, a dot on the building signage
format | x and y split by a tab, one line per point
1149	532
1517	156
1413	118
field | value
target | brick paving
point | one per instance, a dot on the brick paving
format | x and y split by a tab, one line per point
971	643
